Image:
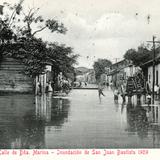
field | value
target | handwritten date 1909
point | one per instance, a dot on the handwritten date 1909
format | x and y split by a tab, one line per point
143	151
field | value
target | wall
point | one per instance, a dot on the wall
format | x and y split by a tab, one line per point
130	70
150	75
11	77
122	75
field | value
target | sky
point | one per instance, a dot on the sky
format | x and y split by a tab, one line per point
100	28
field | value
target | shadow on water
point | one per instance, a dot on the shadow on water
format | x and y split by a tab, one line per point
145	122
137	121
23	119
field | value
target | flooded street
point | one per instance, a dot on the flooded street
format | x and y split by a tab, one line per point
79	120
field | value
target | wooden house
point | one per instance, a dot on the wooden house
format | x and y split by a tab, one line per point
12	78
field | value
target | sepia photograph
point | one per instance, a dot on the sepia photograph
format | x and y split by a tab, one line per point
80	74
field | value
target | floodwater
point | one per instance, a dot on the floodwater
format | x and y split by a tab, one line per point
78	120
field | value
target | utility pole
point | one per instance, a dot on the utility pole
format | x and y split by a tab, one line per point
153	65
153	84
116	60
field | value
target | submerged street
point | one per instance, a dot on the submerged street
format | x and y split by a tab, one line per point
78	120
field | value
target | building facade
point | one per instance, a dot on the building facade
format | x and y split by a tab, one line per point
12	78
121	71
148	72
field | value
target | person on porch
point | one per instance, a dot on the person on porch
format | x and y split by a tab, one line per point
49	87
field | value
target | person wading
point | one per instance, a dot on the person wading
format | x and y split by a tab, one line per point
116	94
100	90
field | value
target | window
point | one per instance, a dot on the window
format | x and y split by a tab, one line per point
156	77
149	78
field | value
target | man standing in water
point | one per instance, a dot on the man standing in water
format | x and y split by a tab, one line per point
116	95
100	90
122	91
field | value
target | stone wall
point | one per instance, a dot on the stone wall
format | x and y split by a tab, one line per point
12	79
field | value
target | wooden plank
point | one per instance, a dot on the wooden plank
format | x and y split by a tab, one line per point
12	78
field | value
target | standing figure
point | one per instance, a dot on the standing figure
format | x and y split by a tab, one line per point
156	89
123	93
100	90
111	85
38	88
148	99
80	84
116	94
148	90
49	87
66	86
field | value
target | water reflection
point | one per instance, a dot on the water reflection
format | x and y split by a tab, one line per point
153	114
145	122
23	119
32	134
123	106
60	110
19	126
28	121
137	121
54	110
43	106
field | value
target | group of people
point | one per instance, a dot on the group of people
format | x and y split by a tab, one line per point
66	86
80	84
47	89
156	89
116	92
149	91
120	92
63	86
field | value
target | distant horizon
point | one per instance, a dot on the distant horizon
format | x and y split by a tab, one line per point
113	62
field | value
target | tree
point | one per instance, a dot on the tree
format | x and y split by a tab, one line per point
22	23
22	43
32	53
63	58
99	67
6	21
139	56
35	54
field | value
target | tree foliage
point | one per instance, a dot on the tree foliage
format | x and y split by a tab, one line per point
18	40
6	21
22	22
139	56
100	67
63	58
36	54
